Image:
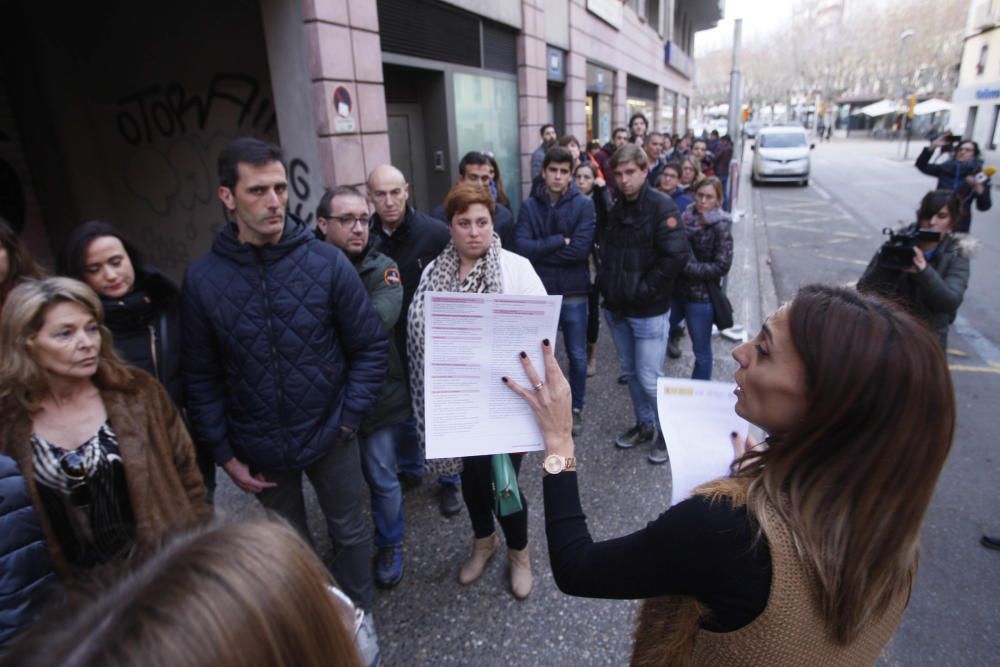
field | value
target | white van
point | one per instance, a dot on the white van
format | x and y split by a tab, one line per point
781	154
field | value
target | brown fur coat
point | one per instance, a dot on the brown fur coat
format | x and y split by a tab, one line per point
164	485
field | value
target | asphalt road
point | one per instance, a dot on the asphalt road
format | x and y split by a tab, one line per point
827	233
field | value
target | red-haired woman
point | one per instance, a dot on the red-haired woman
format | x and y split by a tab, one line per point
474	261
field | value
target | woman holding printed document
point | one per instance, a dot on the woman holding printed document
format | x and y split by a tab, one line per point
473	261
806	553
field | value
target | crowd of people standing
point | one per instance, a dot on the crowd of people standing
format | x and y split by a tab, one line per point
292	351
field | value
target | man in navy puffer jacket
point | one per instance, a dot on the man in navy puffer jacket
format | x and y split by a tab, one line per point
25	568
283	355
555	230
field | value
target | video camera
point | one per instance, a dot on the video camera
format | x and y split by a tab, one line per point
897	252
951	142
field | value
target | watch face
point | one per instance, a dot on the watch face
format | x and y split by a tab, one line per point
554	464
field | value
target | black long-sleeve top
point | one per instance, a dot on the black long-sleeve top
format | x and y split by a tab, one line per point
697	548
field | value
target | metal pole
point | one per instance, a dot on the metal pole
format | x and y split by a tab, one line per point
735	113
734	82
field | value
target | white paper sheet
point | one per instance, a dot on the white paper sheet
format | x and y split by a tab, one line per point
471	341
698	421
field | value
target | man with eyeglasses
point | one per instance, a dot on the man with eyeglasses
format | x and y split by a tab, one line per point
475	168
342	218
412	240
283	357
962	174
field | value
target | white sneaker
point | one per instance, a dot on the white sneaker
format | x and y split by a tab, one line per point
367	642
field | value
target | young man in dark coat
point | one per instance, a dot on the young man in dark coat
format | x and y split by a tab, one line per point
475	168
643	250
342	218
555	230
283	357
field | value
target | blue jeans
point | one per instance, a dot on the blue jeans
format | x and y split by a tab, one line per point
378	462
573	322
409	458
699	318
641	343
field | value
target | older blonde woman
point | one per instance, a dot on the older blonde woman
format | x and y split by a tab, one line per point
104	453
474	261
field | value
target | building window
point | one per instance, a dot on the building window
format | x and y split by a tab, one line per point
981	65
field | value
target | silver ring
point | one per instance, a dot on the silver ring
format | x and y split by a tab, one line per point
538	387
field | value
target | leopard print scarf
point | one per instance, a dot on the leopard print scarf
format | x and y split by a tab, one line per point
442	276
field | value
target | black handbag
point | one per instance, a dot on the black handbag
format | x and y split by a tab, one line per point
722	310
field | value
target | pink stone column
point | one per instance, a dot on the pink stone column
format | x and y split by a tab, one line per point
344	49
576	96
621	92
531	85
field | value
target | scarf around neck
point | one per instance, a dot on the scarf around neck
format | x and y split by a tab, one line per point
443	276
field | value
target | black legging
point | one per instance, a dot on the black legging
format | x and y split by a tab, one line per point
477	490
594	315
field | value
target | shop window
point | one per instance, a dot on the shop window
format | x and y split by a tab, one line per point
486	120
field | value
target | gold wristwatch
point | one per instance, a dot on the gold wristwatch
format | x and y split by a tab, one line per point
555	464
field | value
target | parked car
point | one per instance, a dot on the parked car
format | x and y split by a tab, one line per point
781	154
751	129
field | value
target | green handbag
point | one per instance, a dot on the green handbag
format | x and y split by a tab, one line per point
505	491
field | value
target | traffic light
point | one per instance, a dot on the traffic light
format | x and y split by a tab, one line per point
910	105
746	114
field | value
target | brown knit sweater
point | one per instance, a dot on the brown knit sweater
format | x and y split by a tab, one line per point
164	486
790	631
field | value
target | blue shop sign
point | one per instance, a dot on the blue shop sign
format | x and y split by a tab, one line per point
555	64
987	93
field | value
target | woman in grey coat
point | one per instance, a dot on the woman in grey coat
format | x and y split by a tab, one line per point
933	287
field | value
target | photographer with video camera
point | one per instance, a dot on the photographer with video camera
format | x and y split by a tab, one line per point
963	174
925	265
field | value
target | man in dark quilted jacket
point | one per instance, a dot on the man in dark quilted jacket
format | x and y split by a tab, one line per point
284	356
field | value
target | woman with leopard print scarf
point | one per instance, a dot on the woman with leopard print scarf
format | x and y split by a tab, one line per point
474	262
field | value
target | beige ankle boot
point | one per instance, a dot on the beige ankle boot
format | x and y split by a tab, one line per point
591	360
520	572
482	551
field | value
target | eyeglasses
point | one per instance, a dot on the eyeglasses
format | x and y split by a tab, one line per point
966	149
348	221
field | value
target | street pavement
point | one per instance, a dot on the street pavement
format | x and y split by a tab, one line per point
828	232
785	237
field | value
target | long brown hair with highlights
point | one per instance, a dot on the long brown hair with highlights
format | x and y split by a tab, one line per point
248	594
854	479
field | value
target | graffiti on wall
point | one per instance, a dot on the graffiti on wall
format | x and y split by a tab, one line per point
169	141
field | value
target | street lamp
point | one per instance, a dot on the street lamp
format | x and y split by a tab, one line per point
903	36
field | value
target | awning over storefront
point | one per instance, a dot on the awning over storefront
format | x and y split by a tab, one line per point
880	108
932	105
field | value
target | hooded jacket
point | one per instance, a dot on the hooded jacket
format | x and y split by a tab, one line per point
281	347
933	294
540	235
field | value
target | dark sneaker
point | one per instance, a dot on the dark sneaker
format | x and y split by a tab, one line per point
577	421
674	348
622	379
658	454
639	434
409	481
389	566
450	500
